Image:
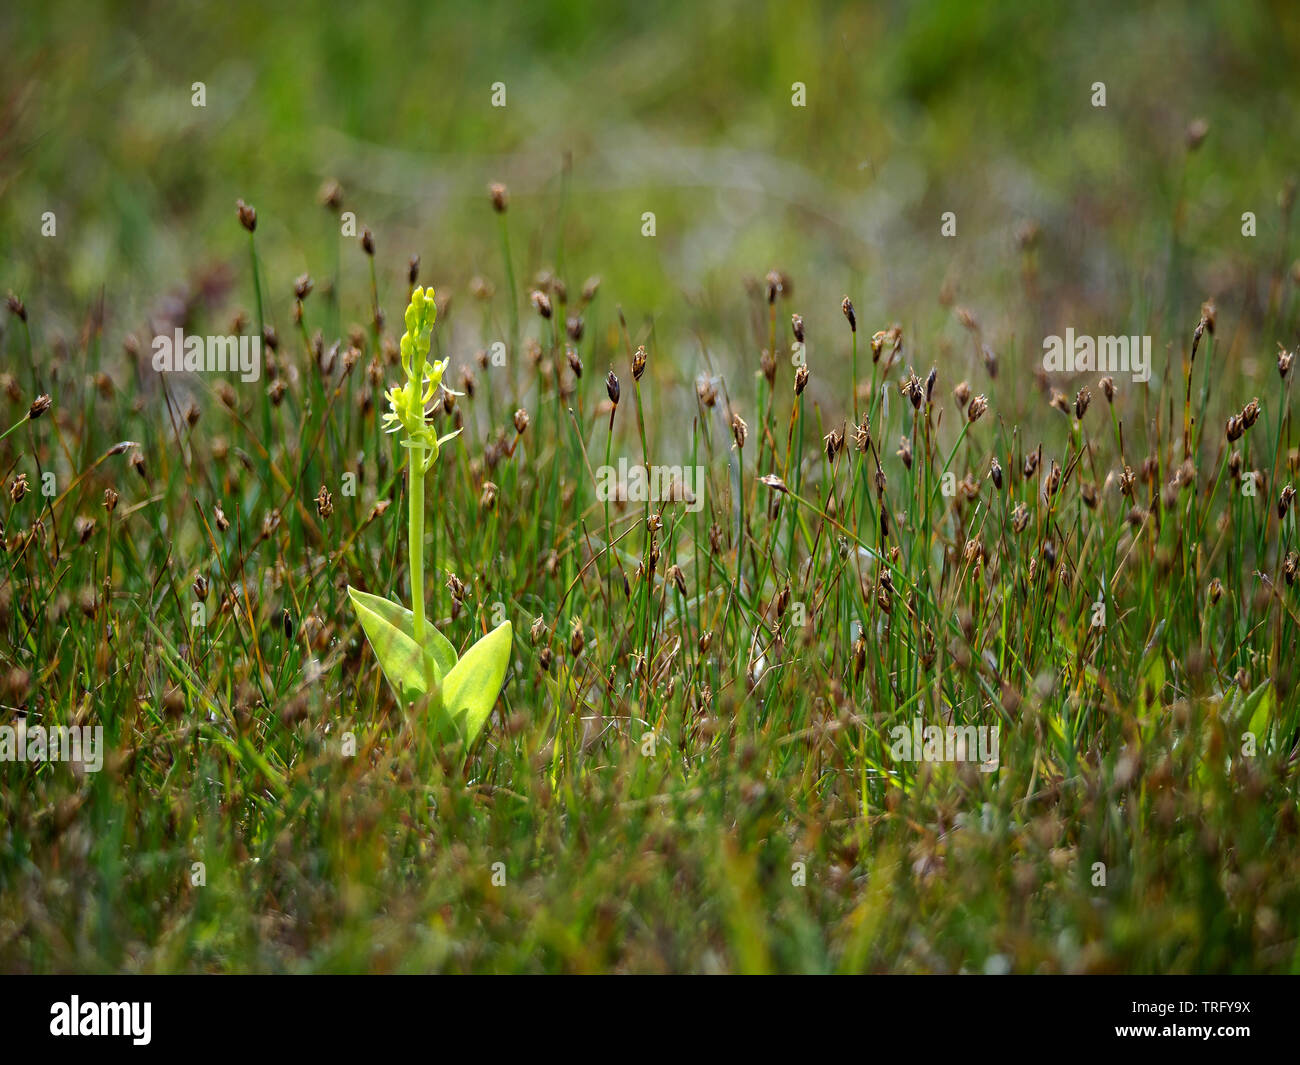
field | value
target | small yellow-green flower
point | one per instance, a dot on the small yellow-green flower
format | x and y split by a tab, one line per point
408	402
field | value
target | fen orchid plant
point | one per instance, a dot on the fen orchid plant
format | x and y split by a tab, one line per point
420	663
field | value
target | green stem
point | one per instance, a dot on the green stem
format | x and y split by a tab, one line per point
415	548
261	333
510	286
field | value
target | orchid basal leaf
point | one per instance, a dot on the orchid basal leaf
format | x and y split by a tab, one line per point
470	690
388	626
401	659
436	645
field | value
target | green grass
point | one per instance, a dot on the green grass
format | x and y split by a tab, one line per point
689	766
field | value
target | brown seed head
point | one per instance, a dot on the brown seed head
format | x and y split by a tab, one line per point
367	241
1020	517
905	451
834	441
774	285
801	376
884	598
739	430
331	195
990	360
707	391
677	579
500	197
977	407
458	589
1126	482
1053	483
912	389
638	363
1027	234
796	323
247	215
847	308
862	436
39	406
611	387
542	303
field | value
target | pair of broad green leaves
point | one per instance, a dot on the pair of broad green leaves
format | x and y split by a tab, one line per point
459	693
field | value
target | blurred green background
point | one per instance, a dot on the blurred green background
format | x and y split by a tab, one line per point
683	109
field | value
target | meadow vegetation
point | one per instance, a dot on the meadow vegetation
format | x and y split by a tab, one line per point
902	518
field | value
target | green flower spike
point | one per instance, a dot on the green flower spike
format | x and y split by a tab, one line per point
417	659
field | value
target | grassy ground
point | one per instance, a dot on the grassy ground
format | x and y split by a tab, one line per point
690	765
